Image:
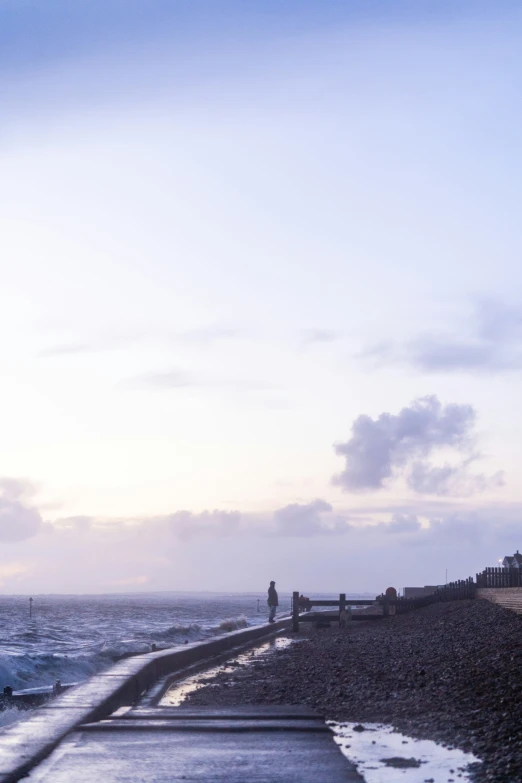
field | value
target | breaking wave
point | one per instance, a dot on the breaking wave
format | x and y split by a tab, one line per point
73	647
195	632
233	624
11	715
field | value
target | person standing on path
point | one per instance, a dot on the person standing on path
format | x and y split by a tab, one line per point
273	602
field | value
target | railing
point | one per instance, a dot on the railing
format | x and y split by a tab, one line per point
305	605
500	577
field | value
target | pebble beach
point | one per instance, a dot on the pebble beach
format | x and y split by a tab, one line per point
451	672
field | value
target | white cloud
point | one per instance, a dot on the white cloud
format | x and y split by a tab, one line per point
403	523
308	519
491	344
383	449
160	381
11	571
132	581
18	519
451	480
185	525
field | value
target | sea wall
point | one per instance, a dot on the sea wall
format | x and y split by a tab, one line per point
508	597
25	744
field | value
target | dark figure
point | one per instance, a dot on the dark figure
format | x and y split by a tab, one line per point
273	602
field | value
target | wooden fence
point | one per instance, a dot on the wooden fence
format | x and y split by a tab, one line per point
465	588
454	591
500	577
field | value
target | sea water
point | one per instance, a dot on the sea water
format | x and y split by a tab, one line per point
70	638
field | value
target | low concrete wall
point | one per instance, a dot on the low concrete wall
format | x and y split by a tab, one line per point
25	744
491	592
508	597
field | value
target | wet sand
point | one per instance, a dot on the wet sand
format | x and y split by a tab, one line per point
451	672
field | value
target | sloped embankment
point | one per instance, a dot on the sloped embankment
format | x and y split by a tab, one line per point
451	672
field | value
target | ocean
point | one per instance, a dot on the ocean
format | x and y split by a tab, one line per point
70	638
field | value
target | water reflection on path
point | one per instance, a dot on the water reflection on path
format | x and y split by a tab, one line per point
180	690
383	755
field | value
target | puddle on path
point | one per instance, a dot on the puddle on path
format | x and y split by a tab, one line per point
383	755
181	689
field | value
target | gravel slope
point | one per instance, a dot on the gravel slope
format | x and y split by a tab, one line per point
450	672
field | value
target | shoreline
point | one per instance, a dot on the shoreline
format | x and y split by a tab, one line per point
450	672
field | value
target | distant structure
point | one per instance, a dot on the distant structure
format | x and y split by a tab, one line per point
418	592
512	561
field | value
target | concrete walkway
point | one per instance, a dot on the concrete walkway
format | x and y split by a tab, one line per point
257	744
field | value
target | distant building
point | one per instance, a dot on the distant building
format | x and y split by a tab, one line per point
512	561
418	592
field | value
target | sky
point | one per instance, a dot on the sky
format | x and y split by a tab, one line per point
259	294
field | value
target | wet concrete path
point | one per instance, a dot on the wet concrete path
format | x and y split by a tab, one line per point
258	744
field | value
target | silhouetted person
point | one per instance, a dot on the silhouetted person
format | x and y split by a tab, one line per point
273	602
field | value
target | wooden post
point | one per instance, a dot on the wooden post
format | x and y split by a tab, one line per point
295	611
342	609
385	607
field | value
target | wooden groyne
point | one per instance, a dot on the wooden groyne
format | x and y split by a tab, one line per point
386	604
33	697
302	610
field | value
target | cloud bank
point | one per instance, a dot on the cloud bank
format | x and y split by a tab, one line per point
238	551
360	548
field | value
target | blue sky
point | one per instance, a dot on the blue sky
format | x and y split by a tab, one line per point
228	232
